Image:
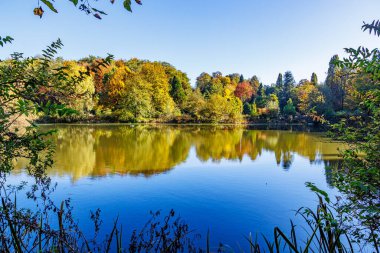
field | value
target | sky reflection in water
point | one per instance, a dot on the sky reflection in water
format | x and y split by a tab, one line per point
230	180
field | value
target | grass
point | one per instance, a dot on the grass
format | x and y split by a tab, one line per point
24	231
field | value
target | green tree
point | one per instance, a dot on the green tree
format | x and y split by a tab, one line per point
273	106
177	92
255	83
289	108
241	80
247	109
254	111
334	82
288	85
279	83
261	99
314	79
203	82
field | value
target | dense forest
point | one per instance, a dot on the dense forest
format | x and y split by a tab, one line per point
143	91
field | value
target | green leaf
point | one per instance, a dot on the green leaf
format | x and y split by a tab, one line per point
50	5
318	191
127	5
75	2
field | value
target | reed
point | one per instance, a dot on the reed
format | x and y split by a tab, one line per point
24	231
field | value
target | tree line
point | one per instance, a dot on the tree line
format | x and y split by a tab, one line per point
143	91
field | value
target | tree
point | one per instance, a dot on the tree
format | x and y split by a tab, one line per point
155	77
235	78
241	79
180	87
255	83
288	85
195	105
289	81
136	104
261	99
302	94
289	109
254	112
222	109
247	108
244	91
176	91
314	79
273	106
279	83
203	82
334	82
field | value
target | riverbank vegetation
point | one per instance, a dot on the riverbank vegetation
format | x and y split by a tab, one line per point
143	91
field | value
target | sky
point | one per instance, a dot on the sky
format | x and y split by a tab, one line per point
252	37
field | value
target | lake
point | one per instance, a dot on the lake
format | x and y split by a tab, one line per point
226	179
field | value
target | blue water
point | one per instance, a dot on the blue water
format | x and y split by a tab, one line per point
230	197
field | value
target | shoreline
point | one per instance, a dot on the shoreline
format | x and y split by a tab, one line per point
250	125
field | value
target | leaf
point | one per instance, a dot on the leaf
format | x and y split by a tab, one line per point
99	11
318	191
127	5
38	12
96	15
75	2
50	5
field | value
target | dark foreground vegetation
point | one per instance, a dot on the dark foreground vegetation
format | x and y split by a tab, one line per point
140	91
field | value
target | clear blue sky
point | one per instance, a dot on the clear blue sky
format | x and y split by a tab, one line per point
253	37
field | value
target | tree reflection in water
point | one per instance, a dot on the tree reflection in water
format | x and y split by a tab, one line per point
94	151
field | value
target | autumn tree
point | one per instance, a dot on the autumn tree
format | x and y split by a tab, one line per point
244	91
273	106
255	83
154	75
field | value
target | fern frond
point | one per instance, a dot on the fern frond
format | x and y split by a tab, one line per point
373	27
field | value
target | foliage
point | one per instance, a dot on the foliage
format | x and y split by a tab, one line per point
289	108
244	91
5	40
373	27
83	5
273	106
285	91
314	79
279	83
255	84
359	179
336	83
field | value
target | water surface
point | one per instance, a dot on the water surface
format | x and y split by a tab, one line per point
231	180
